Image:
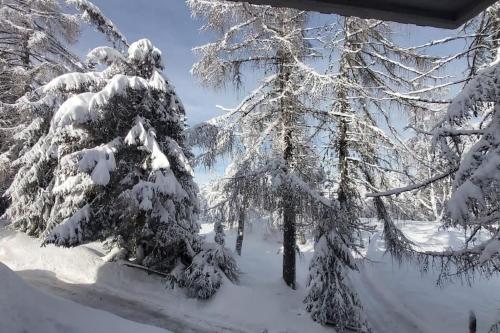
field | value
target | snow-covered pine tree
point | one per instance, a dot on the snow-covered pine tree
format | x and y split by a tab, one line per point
35	40
113	163
331	298
275	168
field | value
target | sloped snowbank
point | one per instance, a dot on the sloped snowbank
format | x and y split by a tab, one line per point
27	310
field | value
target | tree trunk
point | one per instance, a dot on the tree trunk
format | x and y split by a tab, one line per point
241	229
289	245
289	241
343	153
342	141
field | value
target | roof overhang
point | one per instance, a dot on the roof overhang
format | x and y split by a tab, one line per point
437	13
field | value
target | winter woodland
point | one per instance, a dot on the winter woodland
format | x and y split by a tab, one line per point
346	127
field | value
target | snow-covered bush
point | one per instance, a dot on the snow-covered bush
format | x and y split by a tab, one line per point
207	270
113	163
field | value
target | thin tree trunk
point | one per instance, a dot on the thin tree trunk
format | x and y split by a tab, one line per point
342	142
289	243
289	237
241	229
343	154
343	150
289	232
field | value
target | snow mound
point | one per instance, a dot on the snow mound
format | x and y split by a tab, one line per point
24	309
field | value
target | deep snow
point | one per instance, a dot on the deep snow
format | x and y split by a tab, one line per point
396	298
24	310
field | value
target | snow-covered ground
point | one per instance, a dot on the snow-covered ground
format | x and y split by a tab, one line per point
396	298
24	310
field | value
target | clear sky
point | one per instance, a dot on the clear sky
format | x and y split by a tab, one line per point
168	24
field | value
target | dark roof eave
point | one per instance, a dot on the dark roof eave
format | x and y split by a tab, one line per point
402	13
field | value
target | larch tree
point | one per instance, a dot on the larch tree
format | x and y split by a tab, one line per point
372	78
220	203
112	163
467	138
275	167
33	47
428	203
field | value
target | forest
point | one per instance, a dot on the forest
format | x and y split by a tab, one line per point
348	134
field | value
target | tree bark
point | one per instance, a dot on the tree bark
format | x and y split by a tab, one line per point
289	245
241	229
289	214
289	232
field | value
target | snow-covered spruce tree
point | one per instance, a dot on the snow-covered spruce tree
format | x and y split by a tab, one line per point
331	298
113	163
35	41
205	274
275	169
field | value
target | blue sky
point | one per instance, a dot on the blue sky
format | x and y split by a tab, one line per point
168	24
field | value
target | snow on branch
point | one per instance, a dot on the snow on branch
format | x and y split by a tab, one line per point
92	14
413	187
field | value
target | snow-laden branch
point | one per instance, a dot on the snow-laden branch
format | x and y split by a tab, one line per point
413	187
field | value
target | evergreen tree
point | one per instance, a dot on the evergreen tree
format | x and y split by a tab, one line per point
113	163
35	37
331	298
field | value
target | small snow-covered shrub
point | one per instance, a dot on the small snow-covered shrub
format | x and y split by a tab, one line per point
205	274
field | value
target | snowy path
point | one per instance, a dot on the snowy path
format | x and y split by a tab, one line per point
384	312
397	299
138	311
